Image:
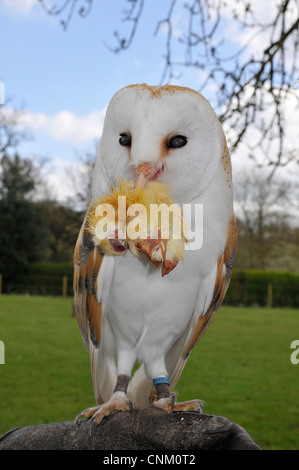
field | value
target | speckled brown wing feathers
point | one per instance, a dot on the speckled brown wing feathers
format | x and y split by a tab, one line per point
224	270
87	263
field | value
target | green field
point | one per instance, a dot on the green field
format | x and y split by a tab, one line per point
241	368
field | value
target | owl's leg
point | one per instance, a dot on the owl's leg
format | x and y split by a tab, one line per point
161	397
160	394
117	402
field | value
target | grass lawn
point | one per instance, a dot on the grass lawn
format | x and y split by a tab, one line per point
241	368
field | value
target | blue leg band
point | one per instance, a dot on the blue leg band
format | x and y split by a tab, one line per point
161	380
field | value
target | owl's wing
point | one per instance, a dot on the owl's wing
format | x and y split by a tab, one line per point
93	273
210	297
88	273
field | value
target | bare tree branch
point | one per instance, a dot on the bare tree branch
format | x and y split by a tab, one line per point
132	15
263	209
80	179
11	134
68	7
251	85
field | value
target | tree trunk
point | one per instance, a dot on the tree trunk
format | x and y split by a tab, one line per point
147	428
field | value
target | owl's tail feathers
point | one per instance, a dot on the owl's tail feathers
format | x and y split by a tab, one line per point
140	388
103	373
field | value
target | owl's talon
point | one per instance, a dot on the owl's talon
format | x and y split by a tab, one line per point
118	402
191	405
87	413
169	404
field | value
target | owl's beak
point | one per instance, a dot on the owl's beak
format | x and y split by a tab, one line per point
147	172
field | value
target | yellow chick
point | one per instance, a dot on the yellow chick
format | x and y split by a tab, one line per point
141	219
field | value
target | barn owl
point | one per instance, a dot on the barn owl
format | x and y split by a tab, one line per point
127	312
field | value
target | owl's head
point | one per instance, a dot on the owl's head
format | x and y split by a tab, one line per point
169	134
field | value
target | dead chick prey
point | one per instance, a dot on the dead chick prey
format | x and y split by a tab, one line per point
141	219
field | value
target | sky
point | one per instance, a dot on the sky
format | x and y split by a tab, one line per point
64	80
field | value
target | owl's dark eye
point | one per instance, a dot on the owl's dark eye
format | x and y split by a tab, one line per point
125	140
177	142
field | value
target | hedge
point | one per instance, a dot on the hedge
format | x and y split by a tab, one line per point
247	287
42	279
51	269
250	287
